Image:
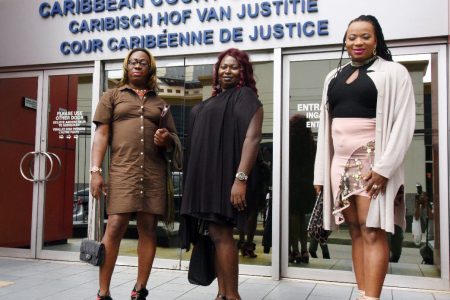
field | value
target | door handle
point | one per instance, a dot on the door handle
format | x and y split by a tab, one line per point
21	167
51	165
48	177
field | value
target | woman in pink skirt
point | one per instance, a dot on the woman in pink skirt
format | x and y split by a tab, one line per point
366	126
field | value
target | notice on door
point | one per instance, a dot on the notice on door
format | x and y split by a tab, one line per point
69	124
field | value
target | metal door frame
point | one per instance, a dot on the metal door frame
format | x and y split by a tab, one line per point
443	105
40	252
30	253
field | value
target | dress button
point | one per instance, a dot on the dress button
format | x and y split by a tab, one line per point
142	140
142	153
142	167
142	117
142	107
142	179
142	192
142	127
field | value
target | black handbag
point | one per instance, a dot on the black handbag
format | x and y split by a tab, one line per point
202	269
315	226
93	251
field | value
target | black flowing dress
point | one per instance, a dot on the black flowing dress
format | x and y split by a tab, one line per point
217	130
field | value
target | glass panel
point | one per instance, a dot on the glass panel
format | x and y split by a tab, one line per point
67	189
172	89
17	137
421	171
198	87
182	88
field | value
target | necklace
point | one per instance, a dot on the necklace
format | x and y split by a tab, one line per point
358	64
140	93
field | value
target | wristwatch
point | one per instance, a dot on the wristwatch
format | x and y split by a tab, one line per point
241	176
95	169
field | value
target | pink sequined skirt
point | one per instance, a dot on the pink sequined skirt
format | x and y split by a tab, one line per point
354	145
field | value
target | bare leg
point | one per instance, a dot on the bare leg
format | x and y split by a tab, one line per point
376	252
115	229
146	225
226	259
352	221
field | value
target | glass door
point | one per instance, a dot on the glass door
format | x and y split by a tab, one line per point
183	83
66	130
423	193
20	176
171	83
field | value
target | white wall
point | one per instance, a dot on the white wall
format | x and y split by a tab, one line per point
27	38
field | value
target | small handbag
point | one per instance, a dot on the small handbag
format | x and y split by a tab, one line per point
202	269
315	226
169	216
93	251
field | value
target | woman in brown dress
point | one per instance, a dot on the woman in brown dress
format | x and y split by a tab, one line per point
224	136
127	119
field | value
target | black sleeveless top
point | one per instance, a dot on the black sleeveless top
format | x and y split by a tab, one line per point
357	99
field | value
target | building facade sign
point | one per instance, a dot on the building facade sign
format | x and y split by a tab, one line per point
57	31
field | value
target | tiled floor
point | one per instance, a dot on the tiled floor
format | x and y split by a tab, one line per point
33	279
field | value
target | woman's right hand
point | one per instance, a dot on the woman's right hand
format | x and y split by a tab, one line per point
318	189
97	185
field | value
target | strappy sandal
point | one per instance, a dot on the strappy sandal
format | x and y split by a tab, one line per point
139	295
220	297
104	297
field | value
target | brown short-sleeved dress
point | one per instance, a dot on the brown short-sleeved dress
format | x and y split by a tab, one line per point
137	174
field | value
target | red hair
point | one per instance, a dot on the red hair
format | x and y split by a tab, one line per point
247	78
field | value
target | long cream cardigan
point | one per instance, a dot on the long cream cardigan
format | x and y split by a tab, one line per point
395	121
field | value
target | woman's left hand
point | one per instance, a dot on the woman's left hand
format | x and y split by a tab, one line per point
375	184
238	191
162	138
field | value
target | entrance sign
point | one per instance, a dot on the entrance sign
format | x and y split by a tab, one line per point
69	124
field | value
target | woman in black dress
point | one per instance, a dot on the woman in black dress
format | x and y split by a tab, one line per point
224	136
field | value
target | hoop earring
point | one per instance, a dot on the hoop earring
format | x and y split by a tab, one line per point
374	51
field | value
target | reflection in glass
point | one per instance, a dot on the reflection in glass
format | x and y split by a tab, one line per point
183	87
67	190
301	192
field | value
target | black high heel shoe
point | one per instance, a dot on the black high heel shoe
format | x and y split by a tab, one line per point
139	295
304	257
248	249
293	256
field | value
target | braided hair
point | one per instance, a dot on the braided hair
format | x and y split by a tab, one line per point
381	48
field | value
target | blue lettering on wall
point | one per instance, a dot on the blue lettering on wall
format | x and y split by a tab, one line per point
211	14
160	32
85	46
322	27
75	7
